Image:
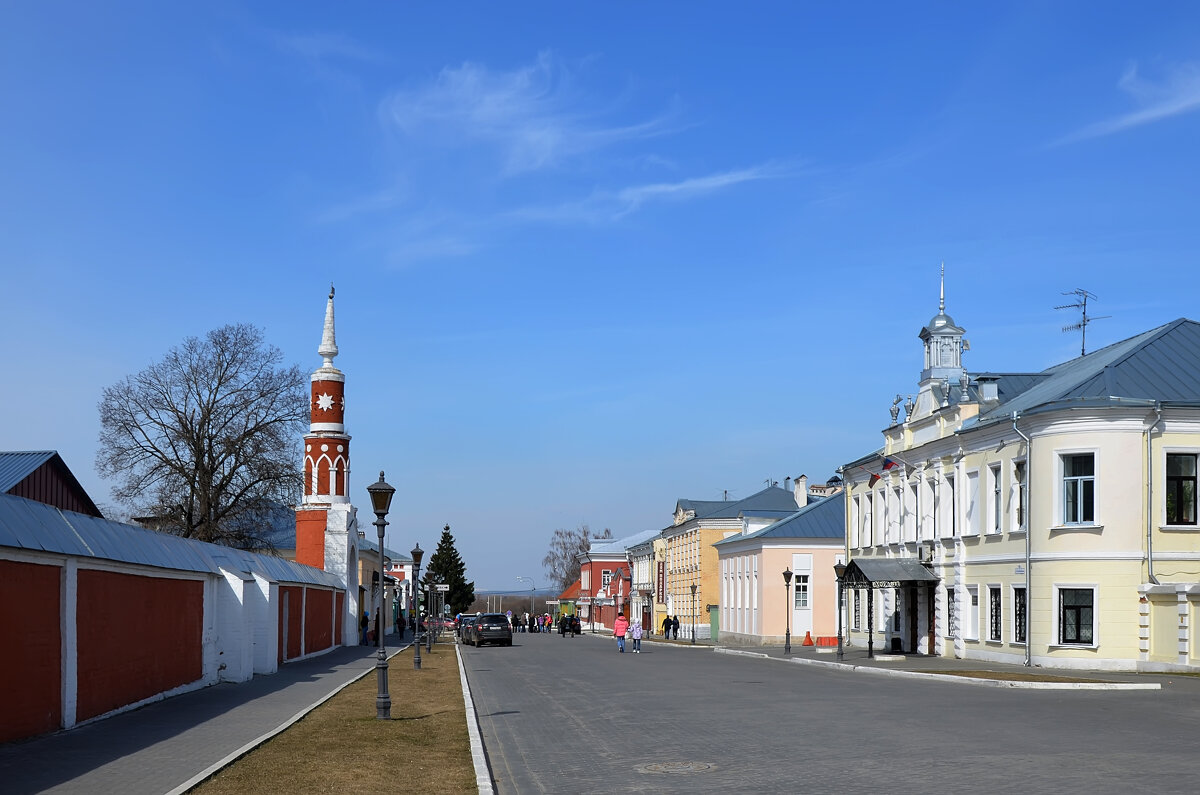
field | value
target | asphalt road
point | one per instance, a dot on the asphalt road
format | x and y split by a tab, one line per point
573	715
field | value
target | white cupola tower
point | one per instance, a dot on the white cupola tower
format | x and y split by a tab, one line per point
327	446
326	521
943	372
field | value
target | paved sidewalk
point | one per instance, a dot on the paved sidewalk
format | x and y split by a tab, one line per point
164	745
855	657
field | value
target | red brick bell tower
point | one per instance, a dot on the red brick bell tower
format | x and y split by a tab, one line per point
326	452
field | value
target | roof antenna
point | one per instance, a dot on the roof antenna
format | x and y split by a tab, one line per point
1082	297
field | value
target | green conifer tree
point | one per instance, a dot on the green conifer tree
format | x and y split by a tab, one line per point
445	566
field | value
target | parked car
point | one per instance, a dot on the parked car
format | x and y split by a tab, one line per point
464	628
491	628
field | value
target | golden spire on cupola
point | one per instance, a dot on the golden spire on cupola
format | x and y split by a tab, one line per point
328	347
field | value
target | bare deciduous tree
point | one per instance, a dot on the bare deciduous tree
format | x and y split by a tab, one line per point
204	441
561	562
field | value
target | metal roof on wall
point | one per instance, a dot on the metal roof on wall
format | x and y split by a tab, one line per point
16	466
33	526
825	518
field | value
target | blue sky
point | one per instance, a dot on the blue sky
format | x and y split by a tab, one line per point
590	258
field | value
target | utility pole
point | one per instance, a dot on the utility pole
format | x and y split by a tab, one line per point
1082	297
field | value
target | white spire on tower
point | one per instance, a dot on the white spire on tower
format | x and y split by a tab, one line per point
941	298
328	347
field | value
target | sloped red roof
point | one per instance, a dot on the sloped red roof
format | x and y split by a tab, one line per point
572	592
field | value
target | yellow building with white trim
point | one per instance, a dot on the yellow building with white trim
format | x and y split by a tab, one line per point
1056	510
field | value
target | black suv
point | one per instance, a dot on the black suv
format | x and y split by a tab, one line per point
491	628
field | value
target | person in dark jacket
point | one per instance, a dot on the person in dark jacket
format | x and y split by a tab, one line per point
666	626
675	628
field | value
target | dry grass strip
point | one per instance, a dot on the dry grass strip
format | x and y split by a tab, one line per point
341	747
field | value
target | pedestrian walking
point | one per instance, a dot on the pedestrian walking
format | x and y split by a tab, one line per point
675	628
636	632
666	626
620	627
365	624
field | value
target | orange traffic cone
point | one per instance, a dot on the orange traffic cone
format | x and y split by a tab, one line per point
808	641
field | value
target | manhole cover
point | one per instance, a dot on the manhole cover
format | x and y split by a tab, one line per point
675	767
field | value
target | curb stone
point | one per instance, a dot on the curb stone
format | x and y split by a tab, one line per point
966	680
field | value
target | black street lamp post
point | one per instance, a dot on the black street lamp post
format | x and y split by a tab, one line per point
840	570
787	604
417	553
693	614
381	499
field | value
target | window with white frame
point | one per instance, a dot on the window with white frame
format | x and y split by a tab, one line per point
605	578
914	520
927	523
973	506
951	507
1019	614
995	625
867	538
801	593
855	518
881	518
996	512
1181	489
951	620
1020	497
1079	488
1076	616
971	619
895	507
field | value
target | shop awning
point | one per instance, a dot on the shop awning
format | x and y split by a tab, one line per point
885	573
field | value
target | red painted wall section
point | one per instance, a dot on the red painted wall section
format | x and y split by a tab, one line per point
323	474
318	620
310	537
338	622
30	650
293	597
138	637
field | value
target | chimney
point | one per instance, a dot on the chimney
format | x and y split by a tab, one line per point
801	491
988	389
787	483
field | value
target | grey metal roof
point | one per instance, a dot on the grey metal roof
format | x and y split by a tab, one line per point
26	524
1160	364
617	546
762	503
18	465
824	518
701	507
368	545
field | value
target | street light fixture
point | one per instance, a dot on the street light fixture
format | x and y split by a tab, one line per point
532	588
417	553
693	614
787	603
840	570
381	500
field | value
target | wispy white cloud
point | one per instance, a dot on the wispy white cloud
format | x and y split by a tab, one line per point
321	46
604	206
1177	93
534	115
